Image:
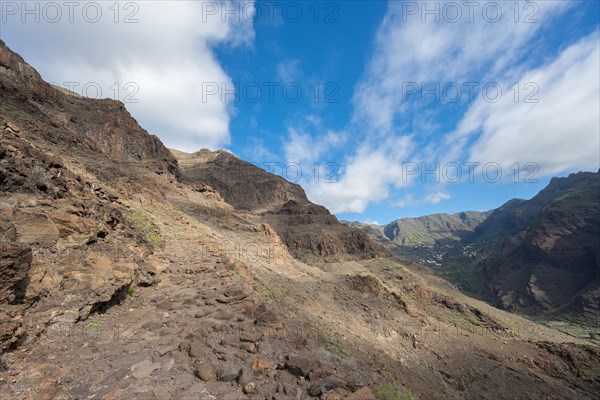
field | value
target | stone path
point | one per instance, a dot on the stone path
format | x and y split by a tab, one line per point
200	333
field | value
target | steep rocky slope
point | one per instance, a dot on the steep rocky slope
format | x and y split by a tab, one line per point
307	229
124	277
58	212
546	253
73	122
243	185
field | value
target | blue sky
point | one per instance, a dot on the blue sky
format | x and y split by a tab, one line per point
353	100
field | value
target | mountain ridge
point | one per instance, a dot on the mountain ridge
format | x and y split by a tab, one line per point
509	255
306	228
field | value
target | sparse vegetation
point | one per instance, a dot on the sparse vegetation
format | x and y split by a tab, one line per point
94	325
334	348
271	293
388	391
131	291
265	290
234	275
278	292
145	228
15	114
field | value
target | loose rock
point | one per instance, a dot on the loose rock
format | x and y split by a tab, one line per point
249	388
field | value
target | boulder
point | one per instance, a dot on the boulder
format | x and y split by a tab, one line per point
299	365
36	228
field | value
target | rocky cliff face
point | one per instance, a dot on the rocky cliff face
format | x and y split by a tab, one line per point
547	249
243	185
63	162
73	122
306	228
54	214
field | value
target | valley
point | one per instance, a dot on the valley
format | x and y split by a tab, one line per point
537	257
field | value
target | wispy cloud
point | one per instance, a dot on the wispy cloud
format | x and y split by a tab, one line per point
288	71
392	129
258	152
368	177
559	131
408	50
305	148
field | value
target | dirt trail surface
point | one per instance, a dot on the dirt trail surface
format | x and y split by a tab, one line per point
187	337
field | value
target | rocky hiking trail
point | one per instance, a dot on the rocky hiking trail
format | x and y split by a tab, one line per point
198	334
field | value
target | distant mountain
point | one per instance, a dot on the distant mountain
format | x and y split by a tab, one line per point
376	232
423	239
431	229
539	256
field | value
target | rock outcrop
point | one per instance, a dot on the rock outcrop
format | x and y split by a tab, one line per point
59	154
308	230
74	122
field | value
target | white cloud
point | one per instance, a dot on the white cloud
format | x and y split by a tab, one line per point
303	148
408	50
259	153
559	133
406	201
167	54
371	221
288	71
435	198
368	177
